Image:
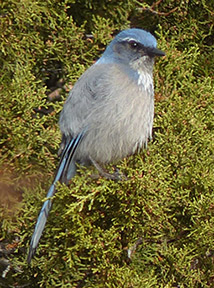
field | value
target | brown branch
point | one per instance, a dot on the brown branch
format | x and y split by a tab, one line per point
159	13
156	3
151	9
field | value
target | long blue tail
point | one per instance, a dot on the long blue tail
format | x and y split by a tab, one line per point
62	174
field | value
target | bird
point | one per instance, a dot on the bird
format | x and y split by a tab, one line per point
108	114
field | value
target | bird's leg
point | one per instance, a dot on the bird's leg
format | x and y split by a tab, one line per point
111	176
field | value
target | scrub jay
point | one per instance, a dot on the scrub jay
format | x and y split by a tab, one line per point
108	114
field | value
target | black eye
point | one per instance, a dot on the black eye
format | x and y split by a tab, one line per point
133	44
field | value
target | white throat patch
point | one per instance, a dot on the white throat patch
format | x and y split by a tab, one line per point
145	80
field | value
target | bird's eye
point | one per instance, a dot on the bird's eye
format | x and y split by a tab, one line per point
133	44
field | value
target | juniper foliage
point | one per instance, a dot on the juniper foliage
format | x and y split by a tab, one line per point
164	212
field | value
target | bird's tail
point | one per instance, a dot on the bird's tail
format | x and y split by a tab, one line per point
65	171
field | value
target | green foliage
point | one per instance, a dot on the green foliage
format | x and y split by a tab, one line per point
167	201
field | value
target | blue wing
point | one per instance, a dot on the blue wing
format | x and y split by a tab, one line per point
63	174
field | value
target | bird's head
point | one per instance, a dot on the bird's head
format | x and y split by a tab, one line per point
133	47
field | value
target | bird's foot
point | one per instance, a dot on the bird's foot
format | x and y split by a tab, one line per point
117	175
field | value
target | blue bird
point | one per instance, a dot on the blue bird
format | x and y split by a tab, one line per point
109	112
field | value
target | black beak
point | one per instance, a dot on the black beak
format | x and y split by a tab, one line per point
152	52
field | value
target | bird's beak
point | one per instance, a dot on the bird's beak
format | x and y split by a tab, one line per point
155	52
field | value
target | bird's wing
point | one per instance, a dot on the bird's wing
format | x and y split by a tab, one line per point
89	94
66	158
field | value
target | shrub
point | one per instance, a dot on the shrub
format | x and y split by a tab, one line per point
164	210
